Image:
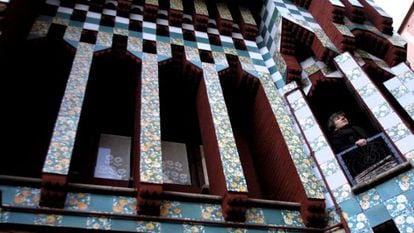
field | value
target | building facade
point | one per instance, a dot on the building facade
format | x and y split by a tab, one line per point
204	116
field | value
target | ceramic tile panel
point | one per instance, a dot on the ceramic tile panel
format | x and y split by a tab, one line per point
406	181
405	222
304	165
247	16
78	201
369	199
233	171
163	49
223	11
64	133
26	196
134	44
73	33
150	135
211	212
98	223
176	5
200	7
48	220
124	205
292	218
255	215
192	54
359	224
39	29
189	228
398	205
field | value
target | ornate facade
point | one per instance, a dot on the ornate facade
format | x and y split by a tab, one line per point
203	116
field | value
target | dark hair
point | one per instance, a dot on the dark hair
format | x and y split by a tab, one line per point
331	121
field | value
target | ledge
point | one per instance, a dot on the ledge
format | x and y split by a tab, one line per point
361	187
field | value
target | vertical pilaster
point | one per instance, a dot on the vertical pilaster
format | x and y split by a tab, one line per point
56	166
150	164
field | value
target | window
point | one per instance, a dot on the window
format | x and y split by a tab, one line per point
175	163
113	159
366	165
386	227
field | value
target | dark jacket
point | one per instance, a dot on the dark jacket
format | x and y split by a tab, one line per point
346	137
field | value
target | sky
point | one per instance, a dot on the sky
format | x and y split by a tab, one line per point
397	9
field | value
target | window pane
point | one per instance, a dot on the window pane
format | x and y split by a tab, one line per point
113	160
175	163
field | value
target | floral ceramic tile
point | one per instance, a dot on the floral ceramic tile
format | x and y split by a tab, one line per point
398	132
192	54
48	220
134	44
292	218
151	158
330	167
171	209
255	215
319	143
236	230
342	193
398	205
332	217
4	216
124	205
354	74
247	16
193	228
98	223
406	180
367	90
211	212
176	5
369	199
233	171
382	110
200	7
73	33
224	11
164	49
39	29
105	39
399	91
359	224
78	201
220	58
26	196
153	227
121	32
405	222
307	123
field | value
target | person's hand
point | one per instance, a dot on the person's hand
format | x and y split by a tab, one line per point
361	142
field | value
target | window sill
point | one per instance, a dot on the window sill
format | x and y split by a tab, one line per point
361	187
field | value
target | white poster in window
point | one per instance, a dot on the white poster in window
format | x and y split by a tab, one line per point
175	163
113	161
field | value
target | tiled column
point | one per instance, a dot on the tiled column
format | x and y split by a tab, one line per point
56	167
150	162
222	157
235	190
402	87
390	121
200	15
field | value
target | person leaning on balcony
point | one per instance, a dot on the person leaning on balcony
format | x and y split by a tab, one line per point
344	134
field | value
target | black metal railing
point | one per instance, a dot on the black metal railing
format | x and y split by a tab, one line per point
363	163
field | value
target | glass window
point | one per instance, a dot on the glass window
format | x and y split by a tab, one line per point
113	161
175	163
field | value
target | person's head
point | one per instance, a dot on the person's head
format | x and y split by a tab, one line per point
337	121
